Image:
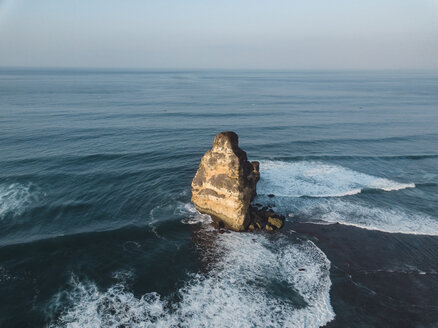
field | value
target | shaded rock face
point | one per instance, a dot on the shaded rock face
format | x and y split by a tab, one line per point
225	183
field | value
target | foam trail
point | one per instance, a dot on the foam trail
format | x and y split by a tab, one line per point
14	198
255	281
359	214
191	215
290	181
316	179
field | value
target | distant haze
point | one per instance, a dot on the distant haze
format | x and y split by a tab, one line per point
284	34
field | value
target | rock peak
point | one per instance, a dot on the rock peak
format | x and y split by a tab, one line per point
227	139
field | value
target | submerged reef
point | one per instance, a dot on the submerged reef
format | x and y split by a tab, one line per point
225	185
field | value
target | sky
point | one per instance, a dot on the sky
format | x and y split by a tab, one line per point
226	34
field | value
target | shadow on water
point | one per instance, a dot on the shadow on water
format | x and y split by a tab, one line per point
379	279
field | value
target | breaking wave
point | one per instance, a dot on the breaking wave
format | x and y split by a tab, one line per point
15	198
254	281
317	179
191	215
392	220
325	184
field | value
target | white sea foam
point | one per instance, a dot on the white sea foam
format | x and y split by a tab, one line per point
290	181
15	197
359	214
5	275
316	179
191	215
187	211
249	284
401	269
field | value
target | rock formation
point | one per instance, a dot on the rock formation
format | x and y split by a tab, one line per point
225	185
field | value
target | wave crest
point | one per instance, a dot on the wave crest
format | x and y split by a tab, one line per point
391	220
324	184
317	179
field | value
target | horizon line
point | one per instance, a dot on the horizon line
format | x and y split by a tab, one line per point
121	68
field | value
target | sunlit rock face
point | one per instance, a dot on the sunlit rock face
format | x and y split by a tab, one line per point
225	183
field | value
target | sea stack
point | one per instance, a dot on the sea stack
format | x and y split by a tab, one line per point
225	185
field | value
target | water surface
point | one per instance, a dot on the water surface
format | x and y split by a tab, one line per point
96	226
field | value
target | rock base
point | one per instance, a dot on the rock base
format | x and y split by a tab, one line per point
264	219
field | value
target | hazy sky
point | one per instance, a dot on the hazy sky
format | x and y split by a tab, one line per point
307	34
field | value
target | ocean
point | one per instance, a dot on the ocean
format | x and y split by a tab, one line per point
97	228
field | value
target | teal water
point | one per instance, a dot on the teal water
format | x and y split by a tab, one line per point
97	229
